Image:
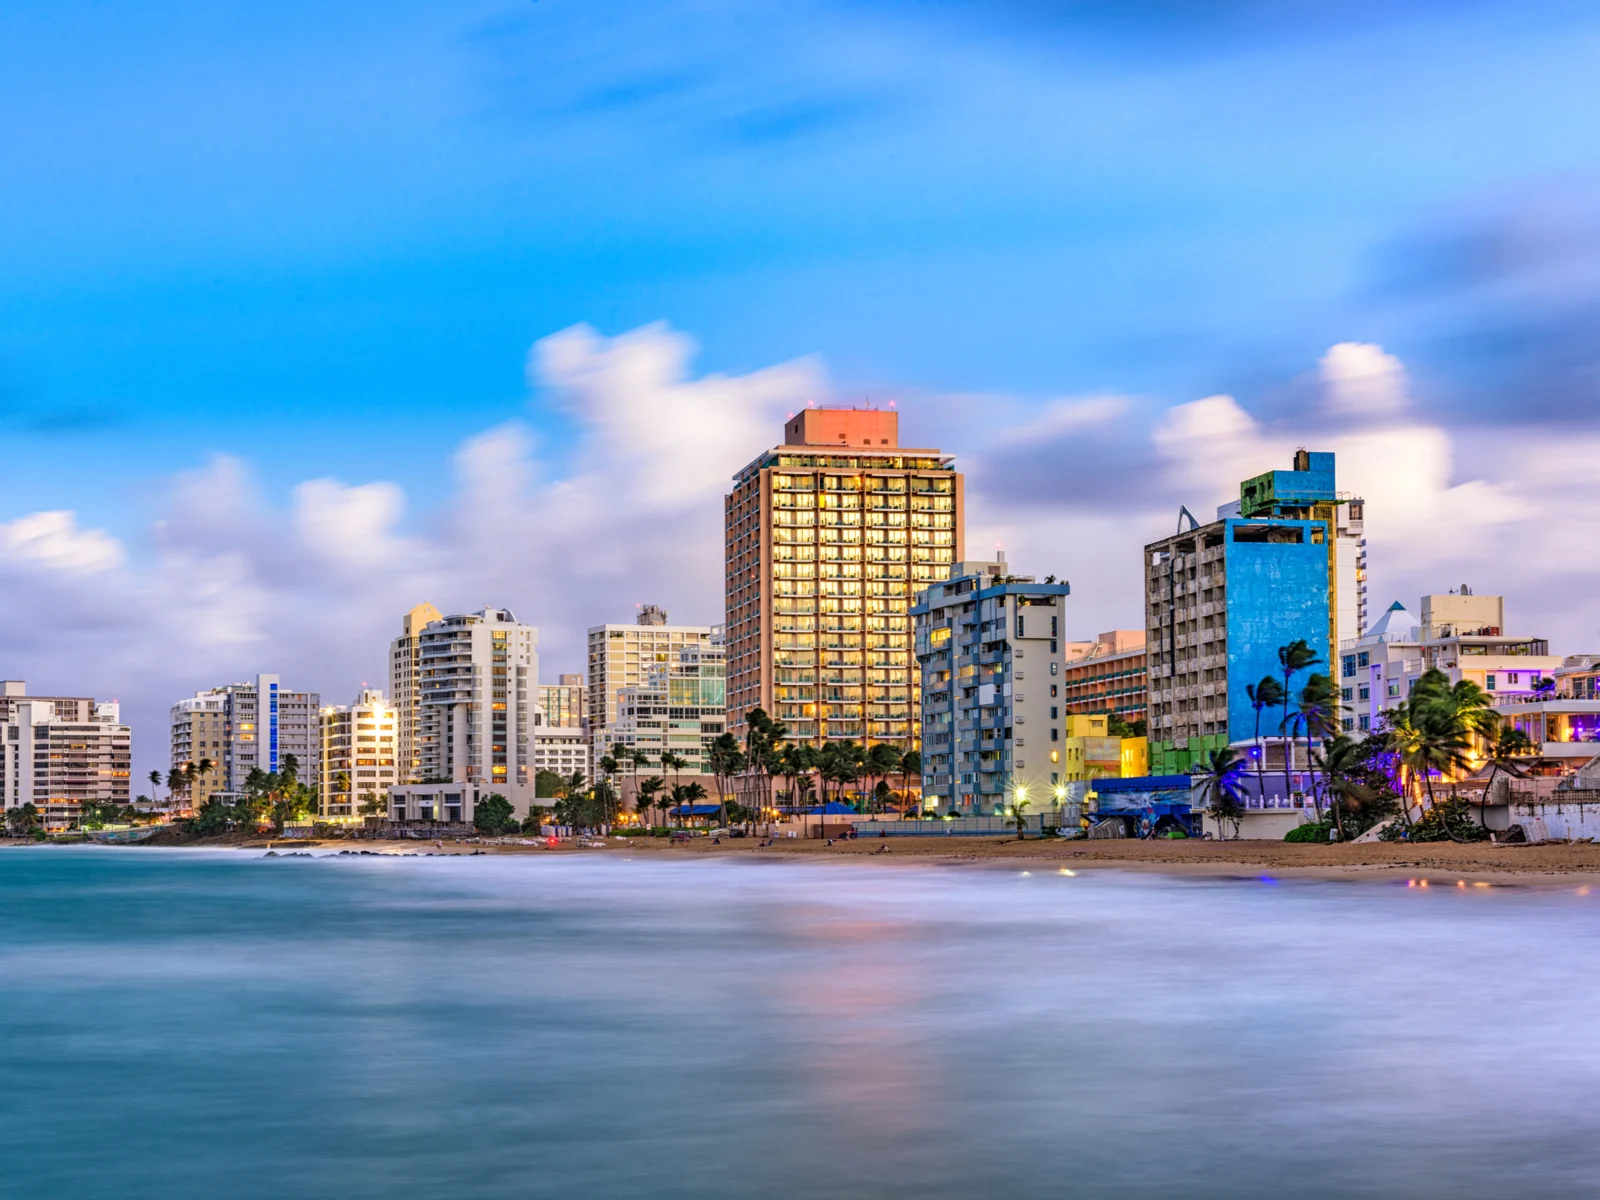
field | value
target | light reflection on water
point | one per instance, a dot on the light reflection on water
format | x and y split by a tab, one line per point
200	1024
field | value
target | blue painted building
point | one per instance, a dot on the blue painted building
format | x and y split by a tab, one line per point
1220	600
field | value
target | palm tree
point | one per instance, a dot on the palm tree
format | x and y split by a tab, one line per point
1319	716
1019	818
1266	694
693	792
882	761
1297	656
1219	782
726	761
671	762
1341	758
647	792
910	764
155	785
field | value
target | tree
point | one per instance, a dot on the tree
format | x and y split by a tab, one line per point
546	784
763	737
1266	694
672	762
24	819
1340	763
910	767
881	761
689	794
1318	715
1219	782
493	814
1297	656
1510	744
1544	687
1019	818
646	795
726	761
155	785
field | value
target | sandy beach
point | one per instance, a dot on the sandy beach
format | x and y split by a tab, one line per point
1557	864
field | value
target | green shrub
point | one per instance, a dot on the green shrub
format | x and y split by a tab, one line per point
1312	831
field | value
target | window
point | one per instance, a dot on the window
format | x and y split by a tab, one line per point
1363	659
1348	724
1488	682
1364	694
1053	713
1053	668
1394	689
1366	722
1346	695
1349	667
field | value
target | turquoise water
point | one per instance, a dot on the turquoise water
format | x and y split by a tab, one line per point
193	1023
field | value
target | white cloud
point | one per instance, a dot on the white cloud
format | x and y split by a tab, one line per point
53	542
1360	380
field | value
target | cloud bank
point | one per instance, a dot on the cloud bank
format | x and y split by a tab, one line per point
226	584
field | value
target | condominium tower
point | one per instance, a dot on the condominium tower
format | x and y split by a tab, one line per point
829	538
60	752
988	646
478	676
244	727
358	755
622	656
405	692
680	707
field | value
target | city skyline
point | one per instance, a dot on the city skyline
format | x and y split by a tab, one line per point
595	280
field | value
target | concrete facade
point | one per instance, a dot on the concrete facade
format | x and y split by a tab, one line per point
991	735
245	727
58	752
360	761
829	538
478	677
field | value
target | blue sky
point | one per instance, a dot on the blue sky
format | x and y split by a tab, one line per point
320	240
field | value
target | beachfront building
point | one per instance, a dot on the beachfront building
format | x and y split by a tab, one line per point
60	752
1578	676
405	688
1565	731
1459	633
829	538
242	727
1106	675
988	646
624	656
680	707
478	677
1222	598
559	748
359	756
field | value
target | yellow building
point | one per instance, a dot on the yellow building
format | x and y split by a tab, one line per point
1090	751
830	537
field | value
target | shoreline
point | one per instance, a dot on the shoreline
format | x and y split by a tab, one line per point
1553	865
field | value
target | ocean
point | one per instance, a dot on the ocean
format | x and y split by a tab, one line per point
191	1023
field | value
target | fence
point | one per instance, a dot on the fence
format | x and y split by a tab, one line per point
1037	824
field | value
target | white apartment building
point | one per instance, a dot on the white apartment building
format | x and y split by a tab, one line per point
622	656
359	755
559	748
405	690
680	707
990	650
57	752
478	678
244	727
1459	633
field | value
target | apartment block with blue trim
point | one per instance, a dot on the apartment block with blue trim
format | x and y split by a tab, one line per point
1221	598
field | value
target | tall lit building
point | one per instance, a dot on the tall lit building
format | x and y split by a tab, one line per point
623	656
478	681
245	727
359	763
680	707
560	727
1220	599
829	538
988	646
405	691
59	752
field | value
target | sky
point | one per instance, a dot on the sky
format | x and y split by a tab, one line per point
312	312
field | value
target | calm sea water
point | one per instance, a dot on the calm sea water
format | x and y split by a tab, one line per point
189	1023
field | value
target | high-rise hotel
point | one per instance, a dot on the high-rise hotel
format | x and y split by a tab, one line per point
830	536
